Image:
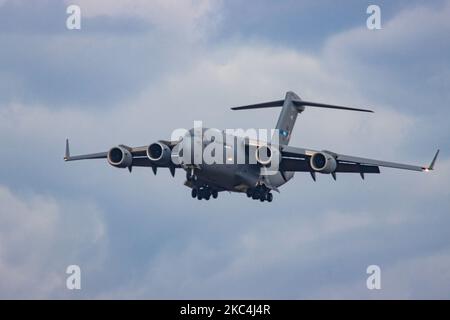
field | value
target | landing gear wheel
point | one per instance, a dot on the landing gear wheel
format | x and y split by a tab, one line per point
206	193
194	193
269	197
215	194
263	197
249	193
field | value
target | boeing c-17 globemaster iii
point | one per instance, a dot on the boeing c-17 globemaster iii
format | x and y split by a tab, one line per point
206	180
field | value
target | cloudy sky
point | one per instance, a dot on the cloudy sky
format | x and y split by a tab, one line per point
139	69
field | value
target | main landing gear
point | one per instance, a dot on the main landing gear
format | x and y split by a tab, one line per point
260	192
200	190
204	192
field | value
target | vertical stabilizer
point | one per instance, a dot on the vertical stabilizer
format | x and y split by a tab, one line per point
288	115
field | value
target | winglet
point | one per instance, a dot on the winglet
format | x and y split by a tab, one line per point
67	154
431	166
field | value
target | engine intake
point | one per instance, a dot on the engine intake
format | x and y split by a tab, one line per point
119	157
323	162
159	152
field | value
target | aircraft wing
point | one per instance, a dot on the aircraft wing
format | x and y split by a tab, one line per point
302	165
136	152
139	155
346	163
99	155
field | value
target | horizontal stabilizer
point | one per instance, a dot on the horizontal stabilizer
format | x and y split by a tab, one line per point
328	106
270	104
297	103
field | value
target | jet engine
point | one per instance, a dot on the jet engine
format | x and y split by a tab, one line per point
323	162
267	156
119	157
159	152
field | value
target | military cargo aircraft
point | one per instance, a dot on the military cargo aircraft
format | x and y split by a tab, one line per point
250	176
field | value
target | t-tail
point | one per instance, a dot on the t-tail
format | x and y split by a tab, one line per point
292	105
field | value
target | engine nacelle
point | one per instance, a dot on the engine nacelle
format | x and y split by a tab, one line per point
323	162
267	156
159	152
120	157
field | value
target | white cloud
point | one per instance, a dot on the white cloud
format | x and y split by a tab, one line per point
186	17
417	277
404	35
408	54
40	237
274	251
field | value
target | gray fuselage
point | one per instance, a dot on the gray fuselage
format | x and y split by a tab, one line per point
229	174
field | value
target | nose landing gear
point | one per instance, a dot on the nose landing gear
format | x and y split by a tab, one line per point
190	176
